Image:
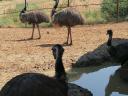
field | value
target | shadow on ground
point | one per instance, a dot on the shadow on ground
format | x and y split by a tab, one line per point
50	45
28	39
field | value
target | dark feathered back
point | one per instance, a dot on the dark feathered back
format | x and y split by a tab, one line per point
33	84
112	51
68	17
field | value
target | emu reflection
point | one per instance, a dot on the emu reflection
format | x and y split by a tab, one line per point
116	84
101	82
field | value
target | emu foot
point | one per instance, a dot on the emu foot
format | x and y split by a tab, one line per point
65	43
70	43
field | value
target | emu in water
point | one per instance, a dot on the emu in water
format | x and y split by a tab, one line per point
68	17
36	84
119	52
34	18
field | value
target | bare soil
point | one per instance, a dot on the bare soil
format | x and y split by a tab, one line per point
19	55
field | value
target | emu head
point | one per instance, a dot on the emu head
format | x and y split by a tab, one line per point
22	11
57	51
109	32
25	7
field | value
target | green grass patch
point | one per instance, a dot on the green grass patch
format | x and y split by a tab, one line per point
109	9
5	0
12	20
94	16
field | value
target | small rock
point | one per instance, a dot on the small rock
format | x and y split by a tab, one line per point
47	32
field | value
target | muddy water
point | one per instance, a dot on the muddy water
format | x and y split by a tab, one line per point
100	81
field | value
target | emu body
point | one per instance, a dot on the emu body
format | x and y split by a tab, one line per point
33	84
34	18
68	17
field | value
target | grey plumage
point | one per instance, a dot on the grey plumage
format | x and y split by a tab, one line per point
34	18
68	17
36	84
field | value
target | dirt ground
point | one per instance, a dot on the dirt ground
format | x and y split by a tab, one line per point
18	55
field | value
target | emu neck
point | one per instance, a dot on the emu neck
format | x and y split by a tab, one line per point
68	4
59	69
112	50
56	4
109	43
60	74
23	11
54	8
25	7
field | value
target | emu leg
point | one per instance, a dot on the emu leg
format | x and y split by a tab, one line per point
67	36
70	33
38	31
33	31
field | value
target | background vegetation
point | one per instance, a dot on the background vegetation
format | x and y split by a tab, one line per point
12	17
109	9
93	14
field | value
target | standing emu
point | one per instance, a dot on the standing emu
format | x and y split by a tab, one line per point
36	84
68	17
119	52
34	18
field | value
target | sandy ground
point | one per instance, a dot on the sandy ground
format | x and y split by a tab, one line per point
18	55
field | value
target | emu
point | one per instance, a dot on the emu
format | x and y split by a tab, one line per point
120	52
36	84
68	17
34	18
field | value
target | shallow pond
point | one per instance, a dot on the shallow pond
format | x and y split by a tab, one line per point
100	81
